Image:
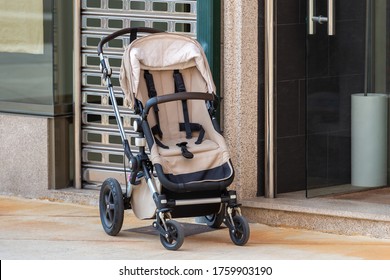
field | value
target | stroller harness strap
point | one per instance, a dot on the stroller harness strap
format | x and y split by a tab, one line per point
184	151
180	87
153	93
195	127
187	126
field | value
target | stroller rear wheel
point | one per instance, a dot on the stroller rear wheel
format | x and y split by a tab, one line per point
240	234
111	206
175	236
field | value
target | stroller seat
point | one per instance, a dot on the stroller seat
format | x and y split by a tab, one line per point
204	149
185	147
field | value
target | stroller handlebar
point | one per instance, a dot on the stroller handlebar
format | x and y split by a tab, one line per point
133	35
176	97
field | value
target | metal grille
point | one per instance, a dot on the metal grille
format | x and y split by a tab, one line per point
102	152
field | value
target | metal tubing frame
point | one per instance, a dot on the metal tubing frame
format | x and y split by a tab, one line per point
116	109
182	202
77	90
270	120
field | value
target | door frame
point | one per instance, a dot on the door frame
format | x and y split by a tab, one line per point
269	100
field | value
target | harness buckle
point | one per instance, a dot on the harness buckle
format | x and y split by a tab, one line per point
184	151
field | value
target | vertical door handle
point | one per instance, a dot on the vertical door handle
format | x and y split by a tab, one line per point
313	20
331	18
310	14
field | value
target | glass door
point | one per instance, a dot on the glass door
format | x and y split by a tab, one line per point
346	54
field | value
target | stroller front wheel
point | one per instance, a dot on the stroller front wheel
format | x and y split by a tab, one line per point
111	206
175	236
240	235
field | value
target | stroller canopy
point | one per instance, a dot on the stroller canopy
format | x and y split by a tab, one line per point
161	51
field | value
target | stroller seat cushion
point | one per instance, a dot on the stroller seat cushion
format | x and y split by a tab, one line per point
163	64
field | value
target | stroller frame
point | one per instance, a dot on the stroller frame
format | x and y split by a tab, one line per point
112	202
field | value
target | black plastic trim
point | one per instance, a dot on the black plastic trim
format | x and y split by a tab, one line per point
192	187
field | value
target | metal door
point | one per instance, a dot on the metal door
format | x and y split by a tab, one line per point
101	152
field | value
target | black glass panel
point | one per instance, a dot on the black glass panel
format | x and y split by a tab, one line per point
338	66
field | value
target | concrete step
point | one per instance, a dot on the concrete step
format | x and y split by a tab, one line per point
352	214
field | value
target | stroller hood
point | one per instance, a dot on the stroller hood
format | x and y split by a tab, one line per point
161	51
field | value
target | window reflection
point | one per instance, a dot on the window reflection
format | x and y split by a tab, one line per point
35	76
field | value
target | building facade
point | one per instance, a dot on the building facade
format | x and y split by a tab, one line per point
286	72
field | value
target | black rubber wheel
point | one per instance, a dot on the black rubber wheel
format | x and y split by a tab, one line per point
111	206
176	238
240	236
216	220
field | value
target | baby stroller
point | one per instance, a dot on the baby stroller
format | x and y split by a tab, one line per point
182	168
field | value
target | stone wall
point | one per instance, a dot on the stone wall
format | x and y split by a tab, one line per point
240	91
24	154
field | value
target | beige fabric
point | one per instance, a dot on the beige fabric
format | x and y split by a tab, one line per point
161	54
162	51
21	26
142	200
212	152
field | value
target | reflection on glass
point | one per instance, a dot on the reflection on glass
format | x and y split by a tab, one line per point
26	52
36	56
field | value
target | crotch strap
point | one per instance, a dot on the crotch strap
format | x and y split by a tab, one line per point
184	151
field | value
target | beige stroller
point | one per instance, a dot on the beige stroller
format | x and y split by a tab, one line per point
183	167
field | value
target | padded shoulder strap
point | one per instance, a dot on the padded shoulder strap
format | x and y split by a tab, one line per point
180	87
153	93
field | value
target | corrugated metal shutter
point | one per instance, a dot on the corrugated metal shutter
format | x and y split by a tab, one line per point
101	149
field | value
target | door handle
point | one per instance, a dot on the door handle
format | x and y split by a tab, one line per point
331	18
313	19
311	5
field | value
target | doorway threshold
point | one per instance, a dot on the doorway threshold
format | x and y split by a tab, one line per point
363	213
